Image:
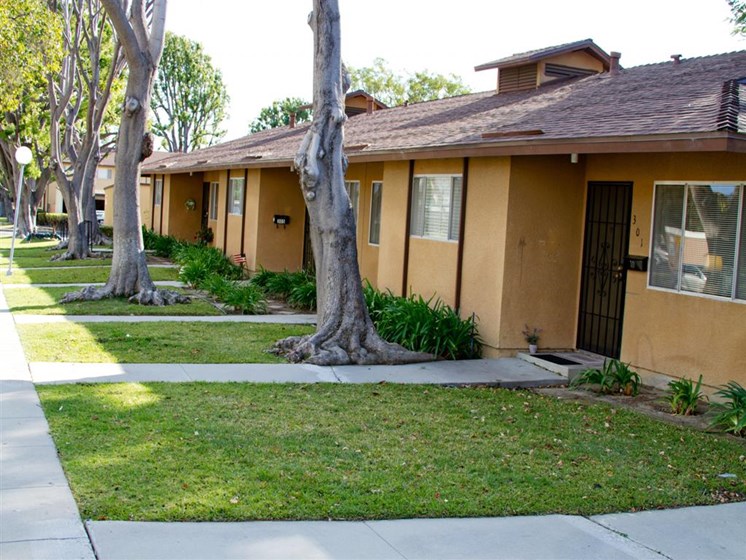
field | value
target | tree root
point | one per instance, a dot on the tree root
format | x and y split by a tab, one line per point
70	256
336	351
143	297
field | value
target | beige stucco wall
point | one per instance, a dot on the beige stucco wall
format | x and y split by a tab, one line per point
674	334
251	231
542	251
109	206
279	247
232	244
484	245
177	220
393	226
574	60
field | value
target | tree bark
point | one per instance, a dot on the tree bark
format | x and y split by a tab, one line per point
345	332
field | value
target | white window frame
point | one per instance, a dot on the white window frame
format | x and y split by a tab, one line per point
740	225
353	191
418	223
104	173
235	204
158	191
375	222
214	191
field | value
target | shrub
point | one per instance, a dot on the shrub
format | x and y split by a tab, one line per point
108	231
303	294
423	325
262	277
208	259
683	396
730	415
244	298
51	219
614	377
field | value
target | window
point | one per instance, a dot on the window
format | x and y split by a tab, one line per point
214	200
236	196
436	207
158	191
104	173
699	239
353	191
374	235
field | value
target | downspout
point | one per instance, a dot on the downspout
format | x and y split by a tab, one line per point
461	233
408	228
243	209
227	199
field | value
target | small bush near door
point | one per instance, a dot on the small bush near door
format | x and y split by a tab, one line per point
730	414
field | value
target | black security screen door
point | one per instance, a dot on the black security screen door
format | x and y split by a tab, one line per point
603	278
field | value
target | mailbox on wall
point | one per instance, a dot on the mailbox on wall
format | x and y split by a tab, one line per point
280	220
635	262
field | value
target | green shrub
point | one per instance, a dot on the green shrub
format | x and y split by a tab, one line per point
423	325
51	219
303	294
108	231
148	238
244	298
262	277
209	259
614	377
730	415
683	396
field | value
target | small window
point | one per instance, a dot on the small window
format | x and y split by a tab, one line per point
374	236
236	196
158	191
214	200
353	191
104	173
698	239
436	207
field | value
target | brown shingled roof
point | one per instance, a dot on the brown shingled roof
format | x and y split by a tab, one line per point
695	98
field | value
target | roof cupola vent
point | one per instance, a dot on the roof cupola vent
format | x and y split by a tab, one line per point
614	62
676	59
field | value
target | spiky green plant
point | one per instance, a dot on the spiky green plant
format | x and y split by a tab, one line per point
730	414
683	395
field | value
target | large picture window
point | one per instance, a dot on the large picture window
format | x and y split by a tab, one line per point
236	196
214	200
699	239
376	193
436	207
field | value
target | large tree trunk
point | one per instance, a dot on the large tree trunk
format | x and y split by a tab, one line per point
129	276
345	332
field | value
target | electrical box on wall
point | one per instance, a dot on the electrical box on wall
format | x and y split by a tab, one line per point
280	220
635	262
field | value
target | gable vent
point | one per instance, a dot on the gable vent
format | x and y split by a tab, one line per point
518	78
560	71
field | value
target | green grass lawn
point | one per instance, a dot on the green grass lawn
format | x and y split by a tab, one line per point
41	259
213	452
44	301
76	275
169	342
34	246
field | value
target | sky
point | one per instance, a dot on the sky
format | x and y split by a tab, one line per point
264	48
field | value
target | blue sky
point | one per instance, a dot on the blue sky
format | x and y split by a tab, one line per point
264	48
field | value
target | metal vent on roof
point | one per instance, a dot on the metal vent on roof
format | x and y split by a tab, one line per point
250	157
730	106
511	133
203	161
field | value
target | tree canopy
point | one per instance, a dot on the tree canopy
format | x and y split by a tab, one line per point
380	81
30	46
738	8
278	114
189	97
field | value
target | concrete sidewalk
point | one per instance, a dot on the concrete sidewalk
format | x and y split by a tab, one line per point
39	518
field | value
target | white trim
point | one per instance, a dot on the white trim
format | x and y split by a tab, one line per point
370	213
232	183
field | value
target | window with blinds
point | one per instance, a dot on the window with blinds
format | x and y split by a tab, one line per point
236	196
436	207
376	194
699	239
158	192
214	200
353	191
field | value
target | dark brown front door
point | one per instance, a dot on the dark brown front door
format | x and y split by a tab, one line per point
603	280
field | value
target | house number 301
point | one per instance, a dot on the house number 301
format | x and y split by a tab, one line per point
637	229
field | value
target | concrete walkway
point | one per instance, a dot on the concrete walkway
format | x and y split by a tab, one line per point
39	518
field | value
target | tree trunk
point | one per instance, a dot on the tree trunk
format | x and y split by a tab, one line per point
129	276
345	332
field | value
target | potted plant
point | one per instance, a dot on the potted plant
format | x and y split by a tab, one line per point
531	334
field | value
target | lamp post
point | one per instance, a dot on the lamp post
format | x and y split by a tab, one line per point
23	157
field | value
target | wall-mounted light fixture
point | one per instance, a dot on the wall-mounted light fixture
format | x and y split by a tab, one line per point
573	158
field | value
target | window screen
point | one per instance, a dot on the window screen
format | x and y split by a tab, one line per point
436	207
